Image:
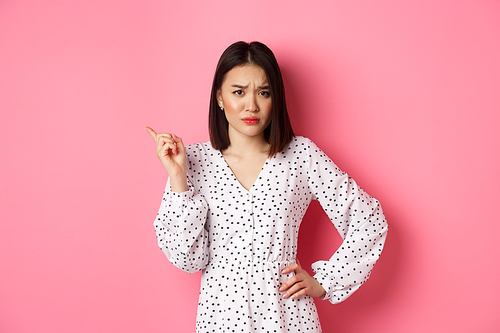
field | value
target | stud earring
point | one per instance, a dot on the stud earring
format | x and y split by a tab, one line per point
221	107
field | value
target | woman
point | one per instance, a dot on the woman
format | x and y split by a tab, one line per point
233	206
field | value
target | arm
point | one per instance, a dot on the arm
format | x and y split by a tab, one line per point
181	219
180	230
359	220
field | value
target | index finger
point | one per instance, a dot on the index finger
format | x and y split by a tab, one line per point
289	268
151	131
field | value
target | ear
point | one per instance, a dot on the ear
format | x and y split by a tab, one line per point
219	98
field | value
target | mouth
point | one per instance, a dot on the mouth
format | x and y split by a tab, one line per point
251	120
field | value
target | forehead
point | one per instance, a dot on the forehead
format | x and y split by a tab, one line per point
246	74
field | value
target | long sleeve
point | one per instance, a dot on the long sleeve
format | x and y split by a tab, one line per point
359	220
180	229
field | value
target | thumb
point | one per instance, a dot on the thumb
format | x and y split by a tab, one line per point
179	144
151	131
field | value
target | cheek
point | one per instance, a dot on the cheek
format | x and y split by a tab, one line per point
231	109
267	108
232	104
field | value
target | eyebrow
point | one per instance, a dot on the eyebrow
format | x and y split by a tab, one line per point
244	87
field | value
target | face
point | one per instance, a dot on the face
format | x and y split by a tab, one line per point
246	98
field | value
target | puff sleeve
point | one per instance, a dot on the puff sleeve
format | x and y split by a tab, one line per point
180	229
357	217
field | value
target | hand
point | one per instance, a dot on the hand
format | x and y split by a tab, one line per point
172	154
301	283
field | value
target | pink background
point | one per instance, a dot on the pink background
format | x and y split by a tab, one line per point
403	95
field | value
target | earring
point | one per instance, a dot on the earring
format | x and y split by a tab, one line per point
221	107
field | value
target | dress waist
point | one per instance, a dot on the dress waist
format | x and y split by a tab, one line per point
230	262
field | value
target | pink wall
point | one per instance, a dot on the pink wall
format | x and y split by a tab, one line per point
403	95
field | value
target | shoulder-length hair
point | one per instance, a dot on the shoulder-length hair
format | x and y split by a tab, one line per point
279	132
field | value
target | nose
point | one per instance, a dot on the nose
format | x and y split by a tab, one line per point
252	104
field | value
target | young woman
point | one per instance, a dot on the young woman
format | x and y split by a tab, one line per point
233	206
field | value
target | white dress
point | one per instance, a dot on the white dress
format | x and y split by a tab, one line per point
242	239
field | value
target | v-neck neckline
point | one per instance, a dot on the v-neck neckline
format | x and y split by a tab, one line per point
259	176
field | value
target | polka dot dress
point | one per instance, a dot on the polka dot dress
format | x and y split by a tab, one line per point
242	239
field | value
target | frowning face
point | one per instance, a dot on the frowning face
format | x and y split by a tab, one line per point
246	98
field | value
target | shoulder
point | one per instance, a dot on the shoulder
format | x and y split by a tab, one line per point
199	147
305	150
199	157
200	151
300	145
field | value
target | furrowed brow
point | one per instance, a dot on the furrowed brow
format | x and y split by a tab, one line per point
239	86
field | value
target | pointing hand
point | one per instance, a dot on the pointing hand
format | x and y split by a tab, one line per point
172	154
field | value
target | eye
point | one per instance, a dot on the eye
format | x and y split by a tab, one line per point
265	93
238	92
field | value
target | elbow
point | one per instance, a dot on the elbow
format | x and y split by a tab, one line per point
188	262
191	265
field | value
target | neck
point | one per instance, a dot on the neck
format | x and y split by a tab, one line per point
244	145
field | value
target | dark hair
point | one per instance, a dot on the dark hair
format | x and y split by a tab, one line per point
279	132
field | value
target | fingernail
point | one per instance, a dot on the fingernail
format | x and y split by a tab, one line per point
281	288
283	271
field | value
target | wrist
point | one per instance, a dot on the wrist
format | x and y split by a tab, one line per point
178	183
322	290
